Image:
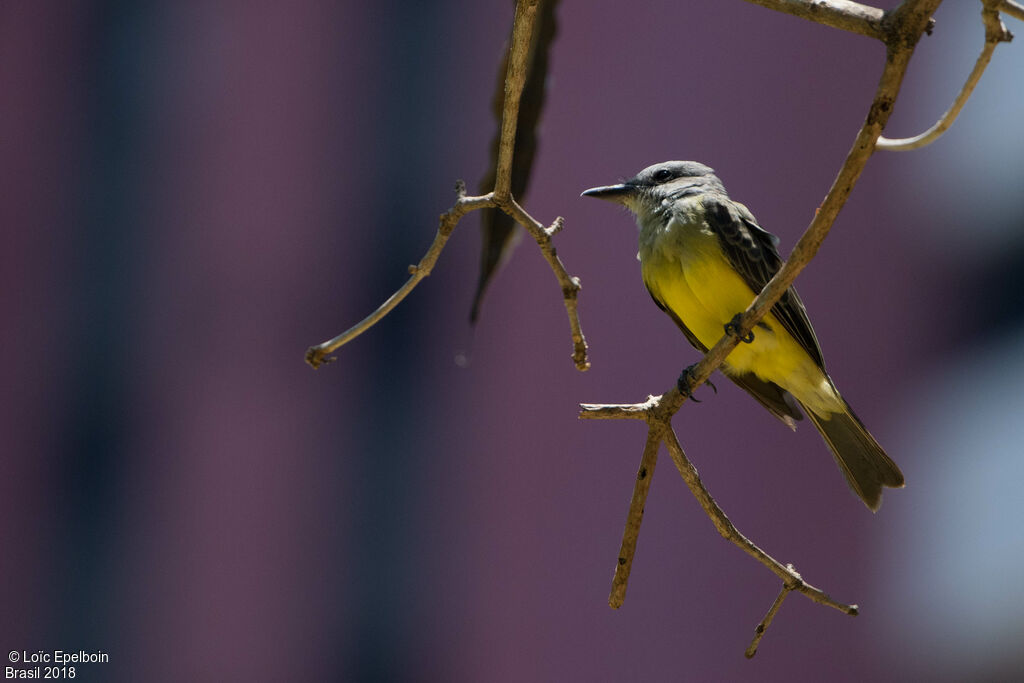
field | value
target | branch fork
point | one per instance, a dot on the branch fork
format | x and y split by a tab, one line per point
320	354
500	198
657	411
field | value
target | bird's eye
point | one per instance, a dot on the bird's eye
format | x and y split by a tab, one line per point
663	175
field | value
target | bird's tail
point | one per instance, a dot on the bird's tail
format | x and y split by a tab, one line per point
862	460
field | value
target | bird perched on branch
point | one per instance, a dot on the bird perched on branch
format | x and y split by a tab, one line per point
704	258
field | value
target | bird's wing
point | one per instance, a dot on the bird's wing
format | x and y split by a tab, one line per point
773	397
752	252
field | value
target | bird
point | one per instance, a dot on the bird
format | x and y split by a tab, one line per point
703	258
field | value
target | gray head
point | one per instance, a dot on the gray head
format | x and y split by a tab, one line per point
645	191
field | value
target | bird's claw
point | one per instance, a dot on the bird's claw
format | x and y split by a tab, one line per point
685	384
733	328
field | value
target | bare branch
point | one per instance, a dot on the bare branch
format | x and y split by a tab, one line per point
767	621
624	563
318	355
522	27
498	231
1012	8
629	411
841	14
570	285
995	33
728	531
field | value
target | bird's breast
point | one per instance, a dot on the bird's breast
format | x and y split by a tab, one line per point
685	268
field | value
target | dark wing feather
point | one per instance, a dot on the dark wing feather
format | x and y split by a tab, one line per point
773	397
751	251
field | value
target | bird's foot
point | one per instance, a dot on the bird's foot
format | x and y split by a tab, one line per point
733	327
685	383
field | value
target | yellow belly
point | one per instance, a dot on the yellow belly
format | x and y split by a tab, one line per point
695	280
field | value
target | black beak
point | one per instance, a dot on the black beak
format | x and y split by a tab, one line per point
611	193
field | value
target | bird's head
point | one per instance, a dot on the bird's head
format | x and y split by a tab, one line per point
644	193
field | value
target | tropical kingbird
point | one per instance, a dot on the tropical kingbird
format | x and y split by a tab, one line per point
704	258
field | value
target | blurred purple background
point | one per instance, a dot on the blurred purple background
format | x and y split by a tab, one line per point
193	193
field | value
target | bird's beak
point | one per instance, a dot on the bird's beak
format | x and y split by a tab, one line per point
611	193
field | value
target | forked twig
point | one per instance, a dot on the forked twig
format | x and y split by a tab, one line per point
729	531
995	33
500	198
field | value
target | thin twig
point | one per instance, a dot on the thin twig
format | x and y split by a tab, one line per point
842	14
729	531
319	354
995	33
624	563
570	285
1012	8
519	50
767	621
